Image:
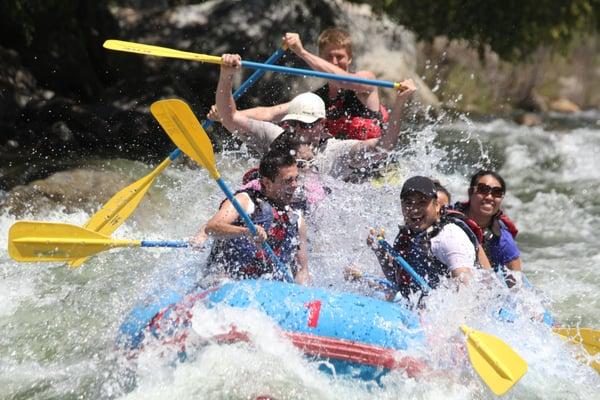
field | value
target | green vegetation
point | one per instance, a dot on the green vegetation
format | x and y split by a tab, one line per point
27	18
511	28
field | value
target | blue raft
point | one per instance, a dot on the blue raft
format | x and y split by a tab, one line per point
359	336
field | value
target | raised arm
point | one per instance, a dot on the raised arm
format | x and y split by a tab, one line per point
272	114
293	42
230	117
389	138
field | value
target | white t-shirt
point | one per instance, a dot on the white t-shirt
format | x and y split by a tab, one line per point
332	158
453	247
262	135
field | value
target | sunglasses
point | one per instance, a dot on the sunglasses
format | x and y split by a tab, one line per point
483	189
304	125
305	164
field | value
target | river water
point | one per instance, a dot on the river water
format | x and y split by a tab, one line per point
58	325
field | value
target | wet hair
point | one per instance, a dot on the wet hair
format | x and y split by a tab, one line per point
337	37
483	172
440	188
272	161
286	142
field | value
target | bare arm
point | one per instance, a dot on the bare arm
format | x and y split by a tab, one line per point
198	241
272	114
221	224
390	135
231	118
513	266
368	94
302	276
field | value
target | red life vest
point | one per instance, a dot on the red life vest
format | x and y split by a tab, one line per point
459	210
349	118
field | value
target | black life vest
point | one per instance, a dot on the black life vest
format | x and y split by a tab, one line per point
241	258
415	248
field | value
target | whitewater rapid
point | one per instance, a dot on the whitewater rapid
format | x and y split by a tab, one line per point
58	325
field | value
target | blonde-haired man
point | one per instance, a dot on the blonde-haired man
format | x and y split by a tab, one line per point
353	109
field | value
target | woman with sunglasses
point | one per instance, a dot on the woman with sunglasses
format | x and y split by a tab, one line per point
494	231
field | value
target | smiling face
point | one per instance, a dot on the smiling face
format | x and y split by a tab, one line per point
337	55
419	211
482	202
281	189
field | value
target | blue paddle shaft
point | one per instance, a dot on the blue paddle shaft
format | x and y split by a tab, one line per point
390	250
379	281
239	92
317	74
281	269
163	243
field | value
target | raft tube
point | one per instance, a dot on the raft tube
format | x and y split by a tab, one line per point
359	336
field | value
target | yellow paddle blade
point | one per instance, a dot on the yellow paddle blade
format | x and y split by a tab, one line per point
184	129
139	48
120	206
589	338
496	362
52	241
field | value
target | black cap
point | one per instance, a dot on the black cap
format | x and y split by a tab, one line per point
419	184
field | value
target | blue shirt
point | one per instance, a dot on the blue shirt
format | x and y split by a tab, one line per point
502	249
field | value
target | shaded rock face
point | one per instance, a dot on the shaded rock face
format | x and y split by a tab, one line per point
77	189
65	97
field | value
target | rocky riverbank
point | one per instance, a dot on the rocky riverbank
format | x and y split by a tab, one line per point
64	98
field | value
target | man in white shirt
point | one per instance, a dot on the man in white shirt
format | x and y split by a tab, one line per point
305	118
434	245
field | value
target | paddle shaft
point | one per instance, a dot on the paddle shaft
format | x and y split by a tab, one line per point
498	365
239	92
319	74
158	51
164	243
281	269
390	250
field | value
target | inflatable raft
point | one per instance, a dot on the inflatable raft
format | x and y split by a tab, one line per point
359	336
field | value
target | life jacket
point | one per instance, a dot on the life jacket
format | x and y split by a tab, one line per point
484	236
250	175
241	258
459	210
415	248
349	118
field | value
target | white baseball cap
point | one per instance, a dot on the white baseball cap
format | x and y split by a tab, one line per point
306	107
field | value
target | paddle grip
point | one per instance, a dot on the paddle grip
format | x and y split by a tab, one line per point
390	250
281	269
163	243
239	92
318	74
380	281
